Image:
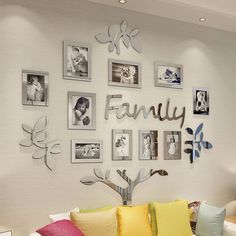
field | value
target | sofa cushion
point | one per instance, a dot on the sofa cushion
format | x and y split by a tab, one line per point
173	218
62	216
101	223
60	228
210	220
133	221
105	208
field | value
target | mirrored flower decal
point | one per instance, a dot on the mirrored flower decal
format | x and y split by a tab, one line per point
197	143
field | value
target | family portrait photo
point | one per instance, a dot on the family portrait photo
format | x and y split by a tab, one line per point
148	145
121	145
81	110
34	88
86	151
77	61
201	101
124	73
172	145
168	75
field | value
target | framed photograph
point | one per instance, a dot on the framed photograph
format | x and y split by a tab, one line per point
77	61
168	75
81	110
34	88
148	145
124	73
83	151
172	145
6	233
201	101
121	145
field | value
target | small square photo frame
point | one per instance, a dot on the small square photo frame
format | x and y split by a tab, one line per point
201	101
124	73
148	145
121	145
76	61
81	110
34	88
6	233
168	75
172	145
86	151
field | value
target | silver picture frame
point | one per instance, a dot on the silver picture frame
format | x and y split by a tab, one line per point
34	88
6	233
81	110
201	101
121	145
76	60
172	145
148	145
168	75
124	73
86	151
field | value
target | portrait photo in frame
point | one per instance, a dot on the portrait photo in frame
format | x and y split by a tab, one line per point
34	88
168	75
201	101
172	145
121	145
124	73
81	110
148	145
76	61
86	151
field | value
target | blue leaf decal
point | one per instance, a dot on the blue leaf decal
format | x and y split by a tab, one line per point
198	130
201	136
189	130
197	155
207	145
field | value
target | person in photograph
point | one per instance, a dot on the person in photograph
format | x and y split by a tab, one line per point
34	89
121	146
81	111
172	146
127	75
170	76
201	104
88	151
77	61
147	146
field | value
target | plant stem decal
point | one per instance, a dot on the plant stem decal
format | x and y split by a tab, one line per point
196	143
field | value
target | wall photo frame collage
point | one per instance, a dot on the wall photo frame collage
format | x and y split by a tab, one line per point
77	65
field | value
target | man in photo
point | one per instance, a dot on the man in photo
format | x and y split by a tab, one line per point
34	89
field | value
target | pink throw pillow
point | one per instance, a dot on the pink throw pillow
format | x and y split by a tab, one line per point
60	228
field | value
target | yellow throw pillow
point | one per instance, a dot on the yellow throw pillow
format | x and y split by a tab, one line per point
101	223
105	208
133	221
173	219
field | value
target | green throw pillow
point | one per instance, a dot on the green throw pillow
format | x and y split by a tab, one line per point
210	220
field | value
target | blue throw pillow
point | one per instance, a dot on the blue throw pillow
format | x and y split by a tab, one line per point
210	220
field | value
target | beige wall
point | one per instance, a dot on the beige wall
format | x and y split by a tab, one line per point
31	34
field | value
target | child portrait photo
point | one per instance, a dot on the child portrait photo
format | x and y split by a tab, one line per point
86	151
77	61
81	110
121	145
172	145
148	145
34	88
124	73
201	101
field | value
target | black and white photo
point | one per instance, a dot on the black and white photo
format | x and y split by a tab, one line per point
124	73
201	101
148	145
34	88
77	61
168	75
86	151
121	145
81	110
172	145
